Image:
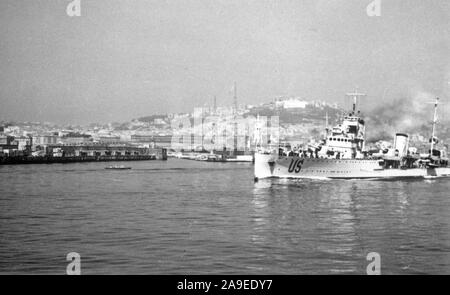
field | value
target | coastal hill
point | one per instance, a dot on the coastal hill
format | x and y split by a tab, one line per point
300	121
307	120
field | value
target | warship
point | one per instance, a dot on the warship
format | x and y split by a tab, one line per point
342	155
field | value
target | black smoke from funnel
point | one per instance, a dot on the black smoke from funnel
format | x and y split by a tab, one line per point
399	115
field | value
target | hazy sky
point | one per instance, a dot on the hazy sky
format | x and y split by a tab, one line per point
124	59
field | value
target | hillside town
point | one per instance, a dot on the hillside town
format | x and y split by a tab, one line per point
301	122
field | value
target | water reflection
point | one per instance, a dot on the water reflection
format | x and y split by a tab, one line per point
262	191
191	217
337	226
308	217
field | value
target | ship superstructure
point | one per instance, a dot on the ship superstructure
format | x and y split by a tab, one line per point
346	140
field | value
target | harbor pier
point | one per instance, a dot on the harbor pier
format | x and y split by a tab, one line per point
84	153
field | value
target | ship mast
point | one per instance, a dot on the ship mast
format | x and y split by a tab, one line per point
355	95
235	112
235	98
434	126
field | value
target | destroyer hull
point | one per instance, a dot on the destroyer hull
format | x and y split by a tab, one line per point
270	165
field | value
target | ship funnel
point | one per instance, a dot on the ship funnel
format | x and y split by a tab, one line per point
401	144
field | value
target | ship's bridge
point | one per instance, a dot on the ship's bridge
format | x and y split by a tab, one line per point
346	139
352	126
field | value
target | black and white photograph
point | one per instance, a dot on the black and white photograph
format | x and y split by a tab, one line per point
224	138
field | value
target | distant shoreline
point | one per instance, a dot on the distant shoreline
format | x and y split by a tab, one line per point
18	160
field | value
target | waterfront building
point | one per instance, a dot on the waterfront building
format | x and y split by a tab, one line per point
75	139
24	143
7	145
141	138
109	139
44	140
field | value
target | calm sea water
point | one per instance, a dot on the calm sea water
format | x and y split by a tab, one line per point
187	217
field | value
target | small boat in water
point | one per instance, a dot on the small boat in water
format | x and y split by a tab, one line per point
118	167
